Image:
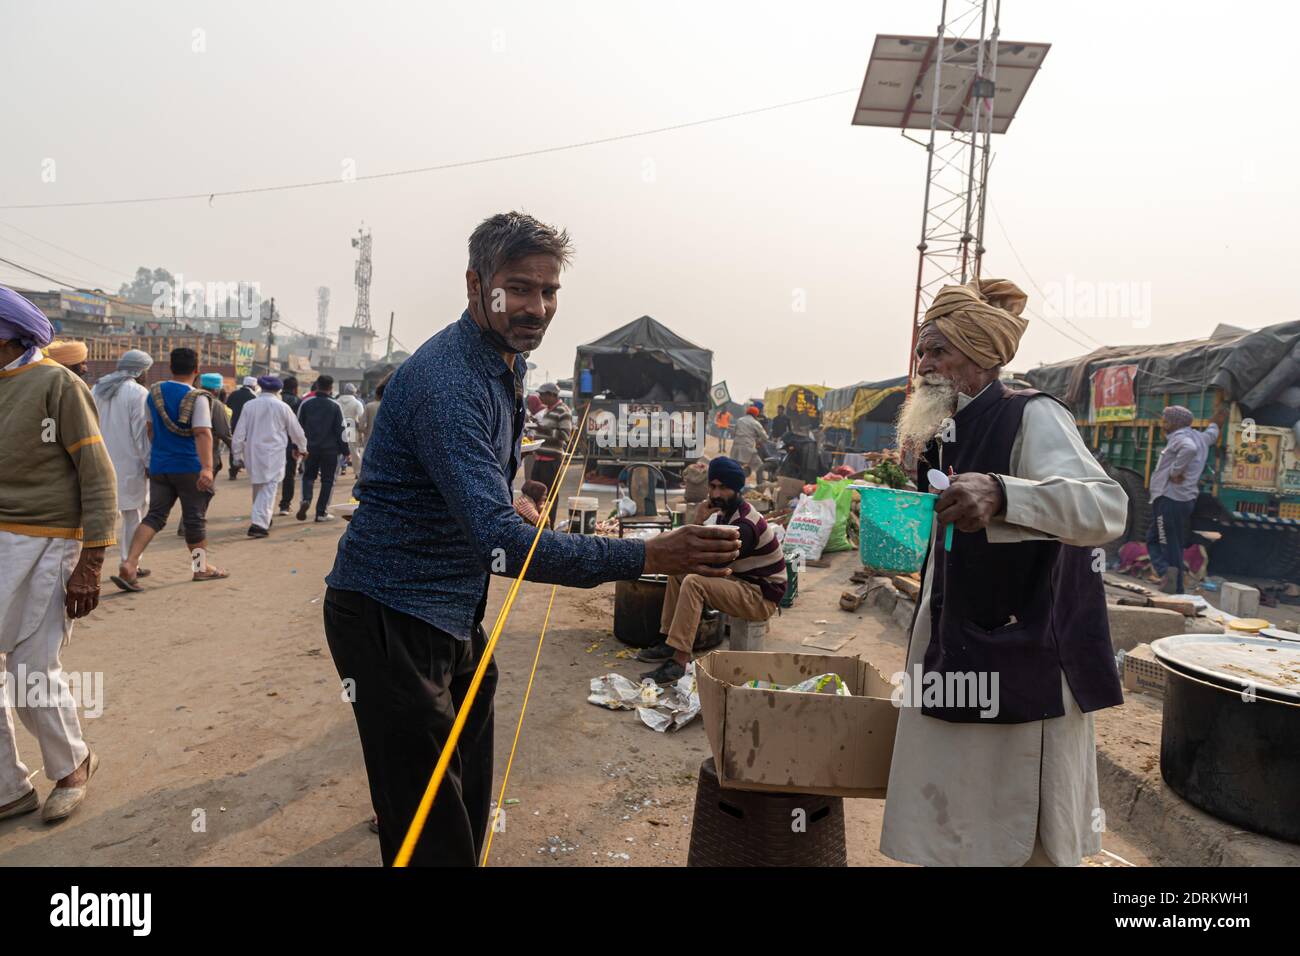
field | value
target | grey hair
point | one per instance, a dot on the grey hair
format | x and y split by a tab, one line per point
510	236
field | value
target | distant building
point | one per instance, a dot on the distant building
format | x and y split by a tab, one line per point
73	314
354	347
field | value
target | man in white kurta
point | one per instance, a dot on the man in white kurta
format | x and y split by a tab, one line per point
1011	794
266	427
124	423
354	423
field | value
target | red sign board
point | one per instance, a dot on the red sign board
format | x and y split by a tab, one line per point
1113	395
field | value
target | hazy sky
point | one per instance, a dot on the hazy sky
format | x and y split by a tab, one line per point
1156	148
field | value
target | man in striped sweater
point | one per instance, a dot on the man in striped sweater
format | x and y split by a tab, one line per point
58	510
751	592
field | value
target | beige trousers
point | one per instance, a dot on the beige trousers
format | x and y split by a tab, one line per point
687	595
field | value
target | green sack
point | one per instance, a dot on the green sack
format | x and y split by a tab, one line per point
840	492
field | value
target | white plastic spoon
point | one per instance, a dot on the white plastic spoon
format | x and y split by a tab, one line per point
939	482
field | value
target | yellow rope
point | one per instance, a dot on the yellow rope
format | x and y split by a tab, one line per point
449	748
501	797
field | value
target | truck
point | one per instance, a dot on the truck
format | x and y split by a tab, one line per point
1250	488
648	392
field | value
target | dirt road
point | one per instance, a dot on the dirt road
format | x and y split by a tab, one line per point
225	740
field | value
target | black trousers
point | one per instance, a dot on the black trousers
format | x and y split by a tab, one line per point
545	471
327	465
290	472
409	681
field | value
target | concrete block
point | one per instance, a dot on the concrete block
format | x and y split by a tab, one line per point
1131	626
1239	599
885	598
743	635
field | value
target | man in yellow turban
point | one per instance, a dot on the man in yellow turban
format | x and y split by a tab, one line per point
1009	653
71	355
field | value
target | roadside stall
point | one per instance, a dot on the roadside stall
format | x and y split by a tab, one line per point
802	405
860	418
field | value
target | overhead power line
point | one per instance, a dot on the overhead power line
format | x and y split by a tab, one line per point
62	282
1034	283
441	167
112	271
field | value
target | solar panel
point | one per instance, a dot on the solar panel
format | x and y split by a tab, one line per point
898	89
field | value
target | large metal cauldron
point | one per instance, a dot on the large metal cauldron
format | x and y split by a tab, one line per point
1230	742
638	606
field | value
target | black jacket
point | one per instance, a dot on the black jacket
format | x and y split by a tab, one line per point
236	402
322	419
1022	612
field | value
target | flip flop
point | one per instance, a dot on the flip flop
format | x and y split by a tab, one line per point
211	574
124	584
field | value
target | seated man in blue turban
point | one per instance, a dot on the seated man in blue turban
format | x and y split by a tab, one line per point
751	591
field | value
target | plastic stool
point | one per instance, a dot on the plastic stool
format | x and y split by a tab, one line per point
743	635
749	828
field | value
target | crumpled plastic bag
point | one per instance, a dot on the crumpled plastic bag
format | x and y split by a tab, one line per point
661	709
821	684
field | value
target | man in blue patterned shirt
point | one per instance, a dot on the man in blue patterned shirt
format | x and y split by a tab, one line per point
405	600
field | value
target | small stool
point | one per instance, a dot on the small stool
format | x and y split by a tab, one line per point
750	828
743	635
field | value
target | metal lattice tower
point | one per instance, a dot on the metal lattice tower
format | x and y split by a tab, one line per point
951	247
361	242
322	309
948	85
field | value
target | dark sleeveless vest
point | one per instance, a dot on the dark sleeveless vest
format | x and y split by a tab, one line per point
1027	610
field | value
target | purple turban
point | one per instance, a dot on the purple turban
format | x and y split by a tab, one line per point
21	321
269	383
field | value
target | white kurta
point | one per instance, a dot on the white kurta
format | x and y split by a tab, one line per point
123	421
980	794
266	426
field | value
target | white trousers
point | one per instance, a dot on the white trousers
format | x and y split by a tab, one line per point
130	521
34	626
264	497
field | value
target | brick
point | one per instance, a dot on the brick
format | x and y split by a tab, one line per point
1239	599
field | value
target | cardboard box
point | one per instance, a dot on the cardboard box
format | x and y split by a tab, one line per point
1142	672
784	742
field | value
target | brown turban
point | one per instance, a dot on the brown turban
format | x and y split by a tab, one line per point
981	319
67	353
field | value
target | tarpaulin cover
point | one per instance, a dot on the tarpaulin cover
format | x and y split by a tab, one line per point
1249	367
647	337
841	407
782	394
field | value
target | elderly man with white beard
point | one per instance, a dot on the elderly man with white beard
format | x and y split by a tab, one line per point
1016	606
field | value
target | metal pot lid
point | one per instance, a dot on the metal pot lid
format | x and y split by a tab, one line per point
1240	660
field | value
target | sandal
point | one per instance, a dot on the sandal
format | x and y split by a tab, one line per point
211	574
126	584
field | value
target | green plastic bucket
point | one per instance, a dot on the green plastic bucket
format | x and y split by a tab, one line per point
895	528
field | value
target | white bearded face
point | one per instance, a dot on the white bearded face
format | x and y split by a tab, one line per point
933	399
